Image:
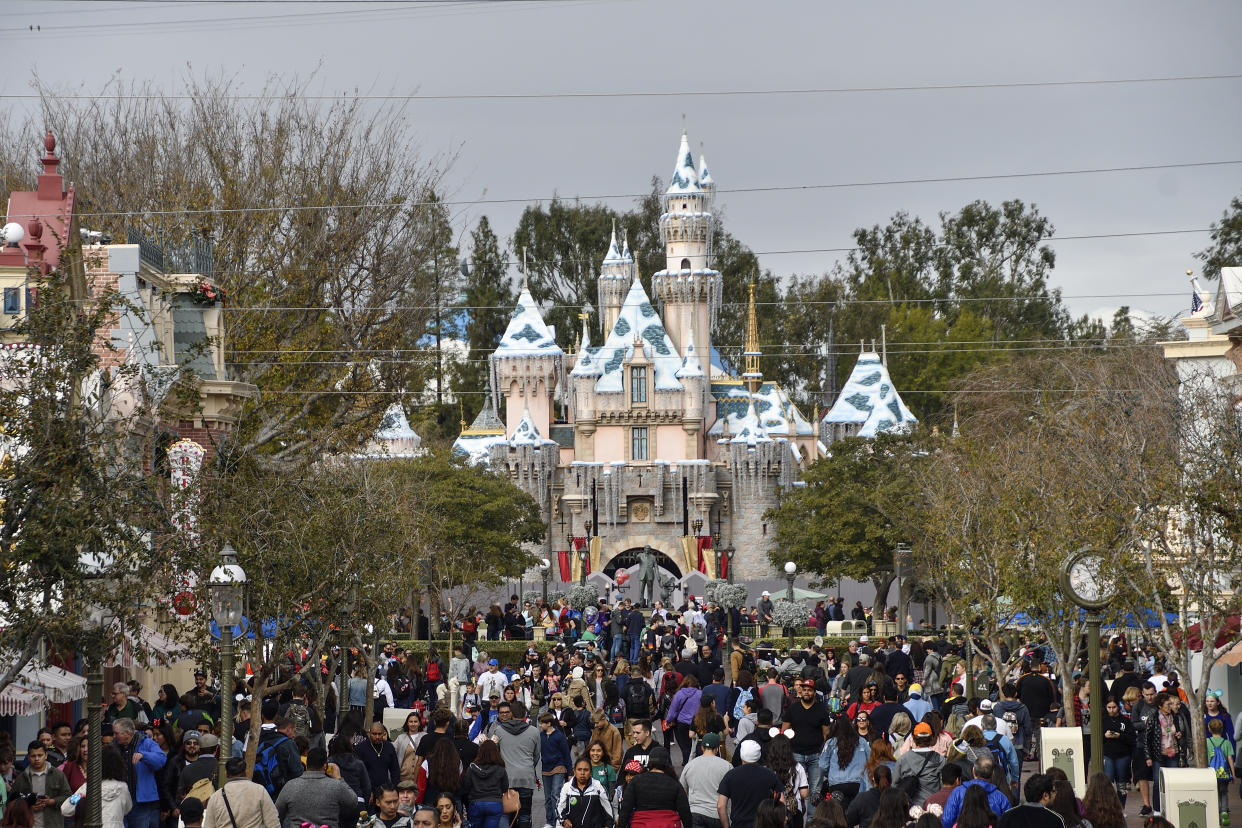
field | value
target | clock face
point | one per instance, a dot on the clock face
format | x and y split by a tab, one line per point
1085	579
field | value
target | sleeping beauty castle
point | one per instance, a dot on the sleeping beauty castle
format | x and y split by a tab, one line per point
653	446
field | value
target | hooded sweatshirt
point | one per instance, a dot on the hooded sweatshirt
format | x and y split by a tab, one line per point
519	747
483	783
116	803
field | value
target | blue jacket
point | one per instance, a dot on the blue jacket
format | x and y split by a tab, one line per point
834	774
1011	754
997	801
144	787
554	751
719	693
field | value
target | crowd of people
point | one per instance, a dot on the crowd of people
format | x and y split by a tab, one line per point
655	719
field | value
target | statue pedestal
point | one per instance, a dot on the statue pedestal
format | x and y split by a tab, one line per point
1061	747
541	634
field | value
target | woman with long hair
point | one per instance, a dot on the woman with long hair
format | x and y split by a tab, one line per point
1065	804
411	734
1118	745
867	700
862	810
167	707
681	712
862	724
780	760
976	812
966	750
1101	805
17	814
74	766
893	810
770	814
707	720
349	767
482	786
842	761
492	621
601	766
440	772
898	731
918	655
447	814
1214	709
881	754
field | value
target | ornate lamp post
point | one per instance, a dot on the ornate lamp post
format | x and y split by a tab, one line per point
719	554
228	584
1086	581
582	553
94	756
544	567
791	571
697	524
729	554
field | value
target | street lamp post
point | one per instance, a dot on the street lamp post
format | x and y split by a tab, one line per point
791	571
719	554
903	552
348	629
544	567
729	554
94	738
228	583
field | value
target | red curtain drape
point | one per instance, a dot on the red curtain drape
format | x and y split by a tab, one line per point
562	559
705	542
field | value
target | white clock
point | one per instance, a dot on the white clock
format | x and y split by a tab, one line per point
1086	580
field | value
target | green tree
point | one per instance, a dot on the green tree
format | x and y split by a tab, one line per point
839	524
490	298
1226	247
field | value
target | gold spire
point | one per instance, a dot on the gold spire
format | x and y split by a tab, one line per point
753	376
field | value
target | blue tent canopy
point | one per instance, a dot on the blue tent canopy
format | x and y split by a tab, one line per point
1148	619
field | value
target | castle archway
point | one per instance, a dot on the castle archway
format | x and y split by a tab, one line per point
629	558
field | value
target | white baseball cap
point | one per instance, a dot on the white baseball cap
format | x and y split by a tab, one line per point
767	594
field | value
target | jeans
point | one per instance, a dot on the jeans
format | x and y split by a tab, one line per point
525	798
144	815
1158	763
618	641
700	821
431	687
552	784
1118	772
634	649
810	764
486	814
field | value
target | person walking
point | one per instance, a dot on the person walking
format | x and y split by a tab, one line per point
681	714
379	757
554	757
46	784
316	798
483	785
240	803
582	801
143	761
115	792
519	745
701	778
810	721
655	798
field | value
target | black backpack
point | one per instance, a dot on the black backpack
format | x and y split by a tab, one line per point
748	662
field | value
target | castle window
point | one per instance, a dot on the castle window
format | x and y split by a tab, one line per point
685	264
638	443
12	300
638	385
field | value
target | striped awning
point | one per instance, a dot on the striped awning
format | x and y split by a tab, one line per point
59	686
16	700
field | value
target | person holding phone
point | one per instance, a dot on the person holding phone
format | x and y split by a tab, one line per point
44	787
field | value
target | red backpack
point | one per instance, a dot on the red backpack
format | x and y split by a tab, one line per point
433	671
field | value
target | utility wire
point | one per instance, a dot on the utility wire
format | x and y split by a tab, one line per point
776	188
684	93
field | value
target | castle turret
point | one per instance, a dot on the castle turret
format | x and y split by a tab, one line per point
614	281
526	366
688	288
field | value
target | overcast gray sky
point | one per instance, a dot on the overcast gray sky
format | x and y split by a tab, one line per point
593	146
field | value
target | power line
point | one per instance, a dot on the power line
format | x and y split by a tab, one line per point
776	188
684	93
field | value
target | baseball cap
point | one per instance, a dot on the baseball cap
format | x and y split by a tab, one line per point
493	663
916	689
208	741
922	729
863	639
751	751
986	704
633	766
201	672
192	736
711	740
767	594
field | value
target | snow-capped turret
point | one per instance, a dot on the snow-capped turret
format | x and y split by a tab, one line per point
527	364
614	281
687	286
706	181
868	405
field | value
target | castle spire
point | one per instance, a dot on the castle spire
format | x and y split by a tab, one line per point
753	376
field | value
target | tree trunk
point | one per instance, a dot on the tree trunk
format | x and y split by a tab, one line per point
882	583
368	705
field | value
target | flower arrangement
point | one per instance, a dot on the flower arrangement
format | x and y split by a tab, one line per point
788	614
725	594
205	293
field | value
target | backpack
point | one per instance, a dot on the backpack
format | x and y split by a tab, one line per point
616	715
1217	760
469	626
299	715
739	707
201	790
999	753
433	670
748	662
1012	718
909	785
267	769
402	690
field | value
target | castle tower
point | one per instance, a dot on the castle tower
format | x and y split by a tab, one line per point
687	287
614	281
526	367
